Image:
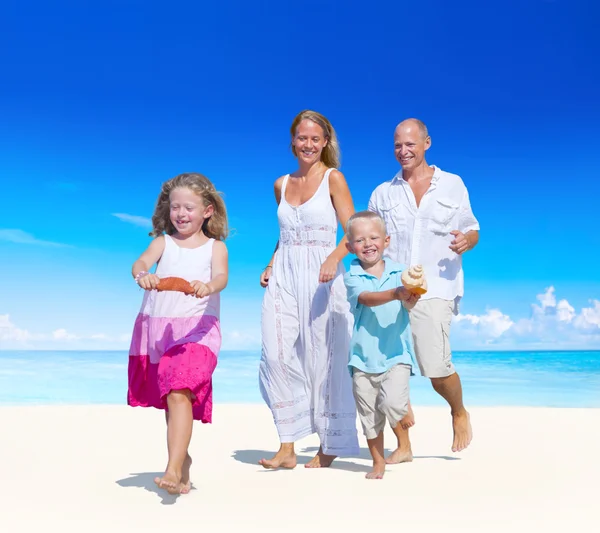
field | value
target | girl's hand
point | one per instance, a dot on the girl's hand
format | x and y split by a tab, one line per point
202	289
265	276
148	282
328	269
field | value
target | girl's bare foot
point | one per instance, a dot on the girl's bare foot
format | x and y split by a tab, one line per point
377	472
284	458
399	456
186	484
409	419
170	482
320	460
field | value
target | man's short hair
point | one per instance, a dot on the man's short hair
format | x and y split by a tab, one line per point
420	124
364	215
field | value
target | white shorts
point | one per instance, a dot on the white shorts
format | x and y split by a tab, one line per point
430	325
381	396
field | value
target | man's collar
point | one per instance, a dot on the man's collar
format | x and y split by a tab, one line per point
437	174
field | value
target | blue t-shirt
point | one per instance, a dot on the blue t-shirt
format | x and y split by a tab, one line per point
381	337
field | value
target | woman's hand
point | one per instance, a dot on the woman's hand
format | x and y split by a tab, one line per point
328	269
264	277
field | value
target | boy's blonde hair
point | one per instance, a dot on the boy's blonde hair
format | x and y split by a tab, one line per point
214	227
330	155
364	215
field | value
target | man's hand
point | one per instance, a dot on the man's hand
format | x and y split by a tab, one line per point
460	244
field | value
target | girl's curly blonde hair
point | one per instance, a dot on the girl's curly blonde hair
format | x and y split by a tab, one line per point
214	227
331	153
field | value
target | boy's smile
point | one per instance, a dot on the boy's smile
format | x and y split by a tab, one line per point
368	241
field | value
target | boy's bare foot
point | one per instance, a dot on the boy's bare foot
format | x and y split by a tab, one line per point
170	482
409	419
377	472
399	456
186	484
282	459
320	460
463	433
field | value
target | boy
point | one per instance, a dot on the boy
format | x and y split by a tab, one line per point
381	352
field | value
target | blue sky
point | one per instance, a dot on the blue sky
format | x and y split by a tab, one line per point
102	102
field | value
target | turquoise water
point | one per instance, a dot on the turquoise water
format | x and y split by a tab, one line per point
554	379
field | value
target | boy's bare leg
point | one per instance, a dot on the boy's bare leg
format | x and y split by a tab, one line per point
376	449
409	419
179	434
403	453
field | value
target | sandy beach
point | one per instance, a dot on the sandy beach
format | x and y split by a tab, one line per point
91	468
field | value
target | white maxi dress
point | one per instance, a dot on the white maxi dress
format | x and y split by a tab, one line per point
306	329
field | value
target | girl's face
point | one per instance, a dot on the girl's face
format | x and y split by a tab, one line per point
309	141
188	212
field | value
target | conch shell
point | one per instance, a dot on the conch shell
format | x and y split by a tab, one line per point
414	279
175	284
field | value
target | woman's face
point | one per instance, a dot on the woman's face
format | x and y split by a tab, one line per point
309	141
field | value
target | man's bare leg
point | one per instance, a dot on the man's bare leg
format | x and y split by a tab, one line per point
284	458
320	460
450	389
402	454
376	449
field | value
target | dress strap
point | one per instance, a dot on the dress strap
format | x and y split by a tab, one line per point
284	185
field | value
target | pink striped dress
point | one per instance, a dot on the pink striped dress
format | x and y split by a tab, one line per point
176	337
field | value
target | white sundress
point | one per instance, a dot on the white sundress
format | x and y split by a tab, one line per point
306	330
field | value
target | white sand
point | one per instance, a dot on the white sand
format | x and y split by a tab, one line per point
91	468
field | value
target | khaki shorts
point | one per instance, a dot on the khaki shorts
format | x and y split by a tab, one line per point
430	325
381	396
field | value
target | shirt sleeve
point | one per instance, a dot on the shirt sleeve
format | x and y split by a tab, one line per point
354	288
373	203
466	219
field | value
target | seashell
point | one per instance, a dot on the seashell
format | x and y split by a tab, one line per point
175	284
414	280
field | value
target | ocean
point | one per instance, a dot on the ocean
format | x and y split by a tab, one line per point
527	378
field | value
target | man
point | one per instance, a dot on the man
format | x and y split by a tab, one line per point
429	219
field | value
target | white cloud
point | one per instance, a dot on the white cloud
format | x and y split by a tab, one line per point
136	220
552	324
10	332
63	334
22	237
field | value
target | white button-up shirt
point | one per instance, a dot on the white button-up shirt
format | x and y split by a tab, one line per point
421	235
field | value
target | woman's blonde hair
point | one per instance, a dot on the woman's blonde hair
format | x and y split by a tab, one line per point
214	227
331	152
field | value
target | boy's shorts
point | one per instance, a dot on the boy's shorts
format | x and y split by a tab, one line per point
381	396
430	325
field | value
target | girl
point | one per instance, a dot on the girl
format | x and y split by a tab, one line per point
177	337
306	320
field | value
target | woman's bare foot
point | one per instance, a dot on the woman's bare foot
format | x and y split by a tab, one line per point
320	460
284	458
409	419
186	484
463	433
170	482
399	456
377	472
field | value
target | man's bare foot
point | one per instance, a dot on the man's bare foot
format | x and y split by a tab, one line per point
186	484
320	460
463	433
399	456
377	472
170	482
282	459
409	419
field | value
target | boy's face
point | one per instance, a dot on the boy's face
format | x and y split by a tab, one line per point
367	240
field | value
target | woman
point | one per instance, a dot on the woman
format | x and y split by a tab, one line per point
306	320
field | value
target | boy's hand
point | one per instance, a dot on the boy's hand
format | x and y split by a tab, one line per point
148	282
402	293
412	300
202	289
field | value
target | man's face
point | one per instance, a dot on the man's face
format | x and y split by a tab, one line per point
410	145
